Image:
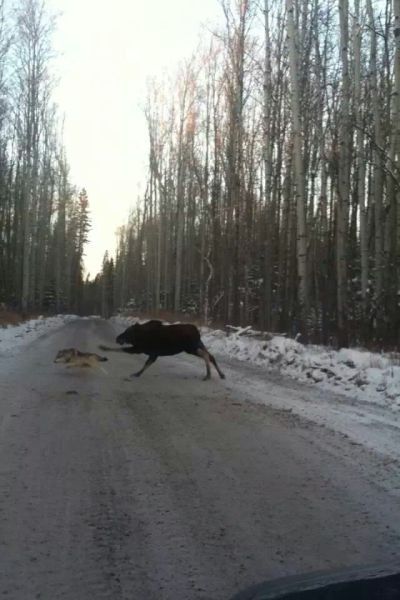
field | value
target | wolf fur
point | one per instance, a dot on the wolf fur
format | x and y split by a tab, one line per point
75	358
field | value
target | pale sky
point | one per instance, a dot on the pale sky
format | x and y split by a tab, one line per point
108	50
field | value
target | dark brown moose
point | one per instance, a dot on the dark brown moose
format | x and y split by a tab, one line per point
156	339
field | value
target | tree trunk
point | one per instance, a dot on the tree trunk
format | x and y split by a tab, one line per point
298	172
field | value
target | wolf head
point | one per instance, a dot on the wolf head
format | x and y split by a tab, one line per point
64	356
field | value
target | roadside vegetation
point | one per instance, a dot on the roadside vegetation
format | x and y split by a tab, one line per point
273	190
44	220
273	194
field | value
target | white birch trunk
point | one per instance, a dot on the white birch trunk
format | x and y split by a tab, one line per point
377	160
357	39
344	179
396	125
298	168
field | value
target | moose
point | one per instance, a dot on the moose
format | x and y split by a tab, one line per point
156	339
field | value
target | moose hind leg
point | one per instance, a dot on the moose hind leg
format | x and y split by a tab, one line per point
214	362
204	354
146	365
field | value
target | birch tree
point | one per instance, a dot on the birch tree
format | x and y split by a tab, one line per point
299	169
287	166
343	176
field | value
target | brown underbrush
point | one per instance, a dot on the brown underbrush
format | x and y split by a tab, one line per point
12	317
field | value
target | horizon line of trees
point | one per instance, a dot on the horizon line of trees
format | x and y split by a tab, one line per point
44	221
273	194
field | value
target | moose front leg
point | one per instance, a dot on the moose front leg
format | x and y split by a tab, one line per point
146	365
127	350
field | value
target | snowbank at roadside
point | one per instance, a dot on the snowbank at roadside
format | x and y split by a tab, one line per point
14	337
356	373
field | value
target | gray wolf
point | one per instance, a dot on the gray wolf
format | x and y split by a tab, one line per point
75	358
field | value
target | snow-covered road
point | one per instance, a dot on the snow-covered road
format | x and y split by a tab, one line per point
168	487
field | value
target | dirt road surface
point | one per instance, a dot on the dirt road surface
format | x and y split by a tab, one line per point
171	488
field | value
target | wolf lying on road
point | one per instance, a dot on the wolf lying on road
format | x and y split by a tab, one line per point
75	358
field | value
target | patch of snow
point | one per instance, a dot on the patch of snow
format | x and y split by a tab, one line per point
90	317
14	337
365	376
372	426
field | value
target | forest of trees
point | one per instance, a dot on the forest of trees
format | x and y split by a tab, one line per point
44	222
273	191
273	194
